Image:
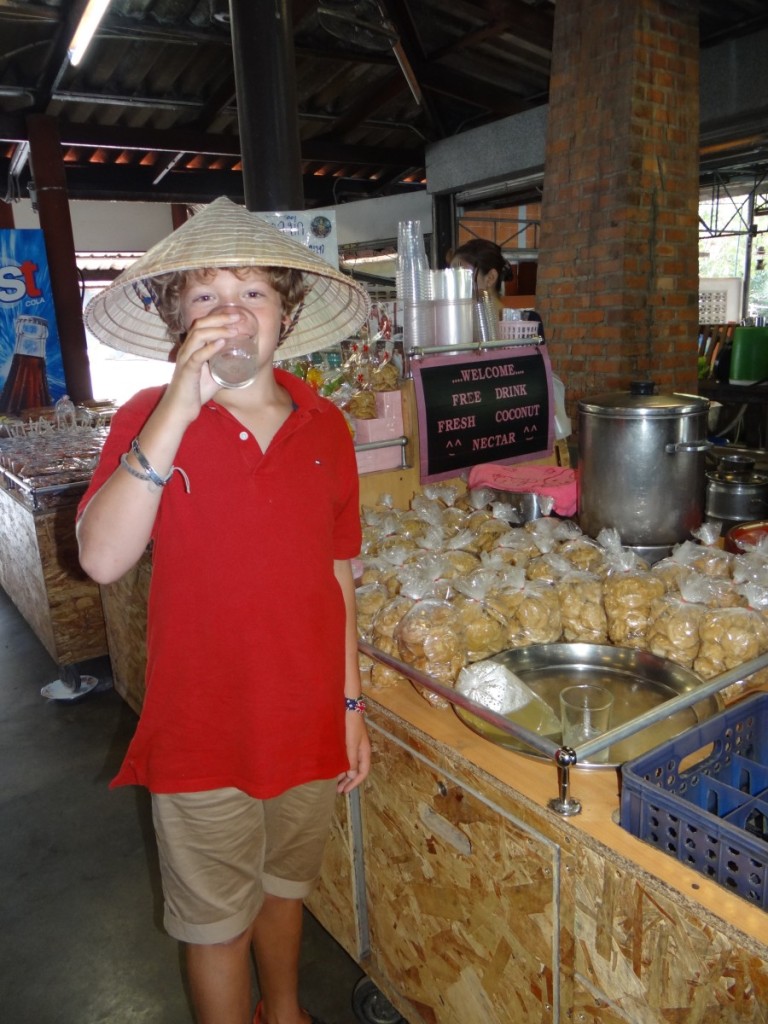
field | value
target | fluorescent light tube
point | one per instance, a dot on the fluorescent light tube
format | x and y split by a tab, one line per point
85	30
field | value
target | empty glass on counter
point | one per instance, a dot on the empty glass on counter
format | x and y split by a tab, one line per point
585	711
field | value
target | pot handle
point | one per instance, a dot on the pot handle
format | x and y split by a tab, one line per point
676	448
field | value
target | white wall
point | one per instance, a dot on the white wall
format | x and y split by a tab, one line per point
108	226
134	227
371	220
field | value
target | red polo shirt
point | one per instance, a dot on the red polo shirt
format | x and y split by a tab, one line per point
245	636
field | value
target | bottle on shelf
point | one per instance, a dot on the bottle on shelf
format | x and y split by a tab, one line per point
26	386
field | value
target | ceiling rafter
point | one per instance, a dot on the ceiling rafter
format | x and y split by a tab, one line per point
155	101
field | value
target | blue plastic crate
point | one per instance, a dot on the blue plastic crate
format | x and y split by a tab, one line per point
702	798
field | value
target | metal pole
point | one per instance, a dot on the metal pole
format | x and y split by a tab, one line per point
531	739
674	704
566	757
267	113
751	229
564	803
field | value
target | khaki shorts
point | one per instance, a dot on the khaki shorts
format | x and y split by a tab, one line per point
220	851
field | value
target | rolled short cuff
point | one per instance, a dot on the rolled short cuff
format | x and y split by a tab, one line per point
286	889
214	933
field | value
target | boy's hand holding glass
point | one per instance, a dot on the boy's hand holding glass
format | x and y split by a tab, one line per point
236	364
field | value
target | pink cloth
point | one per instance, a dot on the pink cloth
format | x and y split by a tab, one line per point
556	482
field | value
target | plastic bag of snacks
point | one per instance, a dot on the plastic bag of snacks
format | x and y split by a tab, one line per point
370	599
549	568
728	638
385	622
617	557
585	555
429	638
482	621
675	620
532	610
430	574
707	560
628	597
582	609
385	569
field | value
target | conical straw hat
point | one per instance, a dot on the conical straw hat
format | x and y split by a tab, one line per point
224	234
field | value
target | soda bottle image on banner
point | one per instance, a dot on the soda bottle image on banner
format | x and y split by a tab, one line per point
26	386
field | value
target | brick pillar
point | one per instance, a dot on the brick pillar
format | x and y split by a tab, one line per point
618	256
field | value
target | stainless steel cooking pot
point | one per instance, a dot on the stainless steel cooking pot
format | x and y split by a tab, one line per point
735	492
642	466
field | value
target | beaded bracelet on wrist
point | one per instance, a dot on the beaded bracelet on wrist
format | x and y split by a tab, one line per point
355	704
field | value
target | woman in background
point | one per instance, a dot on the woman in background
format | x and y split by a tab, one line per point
486	260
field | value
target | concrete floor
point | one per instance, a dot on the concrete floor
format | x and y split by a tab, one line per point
81	938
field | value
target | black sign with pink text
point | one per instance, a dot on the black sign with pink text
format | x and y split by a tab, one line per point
488	407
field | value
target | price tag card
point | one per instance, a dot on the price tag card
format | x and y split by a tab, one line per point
488	407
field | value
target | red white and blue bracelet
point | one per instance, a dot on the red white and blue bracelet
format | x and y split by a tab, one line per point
355	704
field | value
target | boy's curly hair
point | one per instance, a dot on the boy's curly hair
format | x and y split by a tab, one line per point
167	289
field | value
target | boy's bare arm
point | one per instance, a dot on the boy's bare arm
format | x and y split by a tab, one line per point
116	524
358	743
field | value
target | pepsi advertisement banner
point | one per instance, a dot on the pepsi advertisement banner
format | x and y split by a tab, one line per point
31	369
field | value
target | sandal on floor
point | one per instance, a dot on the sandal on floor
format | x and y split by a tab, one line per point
257	1016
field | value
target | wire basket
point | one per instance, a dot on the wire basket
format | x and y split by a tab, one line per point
518	330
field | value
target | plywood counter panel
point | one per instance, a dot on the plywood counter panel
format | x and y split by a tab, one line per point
40	572
485	905
125	612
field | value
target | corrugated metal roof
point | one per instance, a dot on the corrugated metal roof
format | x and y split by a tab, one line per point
151	112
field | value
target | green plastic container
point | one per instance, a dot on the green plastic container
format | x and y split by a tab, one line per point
749	357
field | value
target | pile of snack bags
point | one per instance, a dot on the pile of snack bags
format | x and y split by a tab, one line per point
456	578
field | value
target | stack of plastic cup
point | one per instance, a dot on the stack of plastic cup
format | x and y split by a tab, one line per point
414	290
486	323
452	291
481	324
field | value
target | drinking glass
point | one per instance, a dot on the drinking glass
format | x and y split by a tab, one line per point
236	365
585	712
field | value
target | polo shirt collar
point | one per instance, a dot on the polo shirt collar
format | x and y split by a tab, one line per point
304	398
302	395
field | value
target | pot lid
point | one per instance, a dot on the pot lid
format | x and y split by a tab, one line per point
737	470
642	401
756	482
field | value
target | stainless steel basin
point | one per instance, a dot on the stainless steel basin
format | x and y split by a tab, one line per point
637	679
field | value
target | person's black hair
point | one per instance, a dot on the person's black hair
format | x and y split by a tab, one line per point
484	255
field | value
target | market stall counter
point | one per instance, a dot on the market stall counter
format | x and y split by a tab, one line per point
43	473
459	890
464	897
